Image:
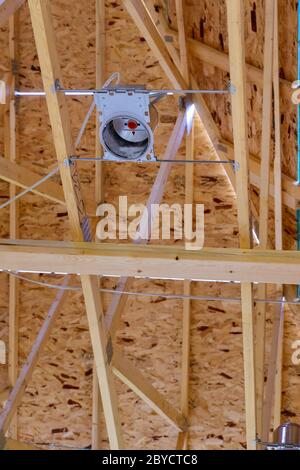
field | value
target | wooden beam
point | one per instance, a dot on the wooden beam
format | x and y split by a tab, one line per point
163	30
100	71
24	377
181	39
11	154
186	323
60	123
267	125
189	199
273	388
100	74
17	175
8	8
228	264
275	353
235	20
114	311
129	375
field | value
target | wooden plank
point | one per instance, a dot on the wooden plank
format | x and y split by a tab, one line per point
235	21
273	386
19	176
129	375
100	74
182	41
24	377
99	168
13	224
264	205
60	123
163	29
266	124
8	8
229	264
275	353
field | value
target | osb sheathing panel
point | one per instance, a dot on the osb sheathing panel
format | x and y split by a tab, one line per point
56	407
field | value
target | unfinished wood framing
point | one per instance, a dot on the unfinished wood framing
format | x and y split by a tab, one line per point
13	361
100	73
235	18
162	345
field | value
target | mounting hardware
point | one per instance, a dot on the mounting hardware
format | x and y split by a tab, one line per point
127	122
235	165
68	162
231	88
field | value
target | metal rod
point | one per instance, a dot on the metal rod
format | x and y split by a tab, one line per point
281	301
93	159
30	188
105	90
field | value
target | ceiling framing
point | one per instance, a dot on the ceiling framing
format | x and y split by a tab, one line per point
247	265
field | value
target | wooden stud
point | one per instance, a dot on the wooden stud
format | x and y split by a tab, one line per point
60	123
182	41
235	18
273	384
11	155
100	70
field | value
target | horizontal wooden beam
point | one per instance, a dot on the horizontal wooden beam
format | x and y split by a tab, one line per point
267	266
8	8
24	178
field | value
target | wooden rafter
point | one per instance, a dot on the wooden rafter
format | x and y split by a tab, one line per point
235	21
60	123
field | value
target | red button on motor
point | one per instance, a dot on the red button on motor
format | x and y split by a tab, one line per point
132	125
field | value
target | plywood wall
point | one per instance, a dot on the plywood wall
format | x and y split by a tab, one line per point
56	408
